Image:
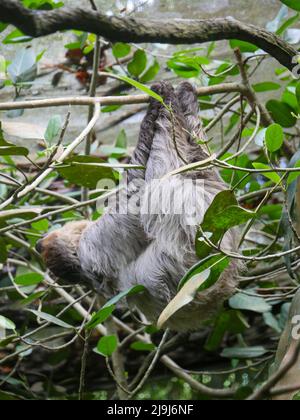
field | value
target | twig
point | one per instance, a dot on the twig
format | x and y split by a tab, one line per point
264	391
151	366
27	189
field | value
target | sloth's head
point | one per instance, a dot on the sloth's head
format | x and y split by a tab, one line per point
59	250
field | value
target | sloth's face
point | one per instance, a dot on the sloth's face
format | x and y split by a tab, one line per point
59	250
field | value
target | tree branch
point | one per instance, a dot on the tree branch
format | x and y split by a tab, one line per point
129	29
112	100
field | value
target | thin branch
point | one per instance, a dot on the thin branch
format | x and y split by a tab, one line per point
112	100
68	151
264	391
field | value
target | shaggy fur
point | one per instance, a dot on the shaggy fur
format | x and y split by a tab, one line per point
154	248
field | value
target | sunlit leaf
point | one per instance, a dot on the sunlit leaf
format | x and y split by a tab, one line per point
107	345
216	263
151	73
243	46
273	176
266	86
141	87
29	279
274	137
121	50
293	4
138	63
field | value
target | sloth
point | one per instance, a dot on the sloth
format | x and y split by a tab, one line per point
152	248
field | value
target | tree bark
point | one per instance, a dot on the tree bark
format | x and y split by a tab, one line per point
128	29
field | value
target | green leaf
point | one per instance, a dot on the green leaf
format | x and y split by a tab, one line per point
41	225
289	97
107	345
243	46
294	175
244	352
6	323
281	113
3	251
233	177
32	298
141	346
3	26
274	137
249	303
222	215
110	108
216	263
298	93
273	176
100	317
52	319
289	22
138	63
78	171
228	321
43	4
23	68
266	86
2	70
121	141
141	87
9	149
293	4
121	50
29	279
151	73
187	67
16	37
53	129
130	292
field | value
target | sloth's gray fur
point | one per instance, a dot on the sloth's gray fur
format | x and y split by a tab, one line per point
153	249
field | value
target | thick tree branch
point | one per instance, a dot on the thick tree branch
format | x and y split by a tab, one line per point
129	29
